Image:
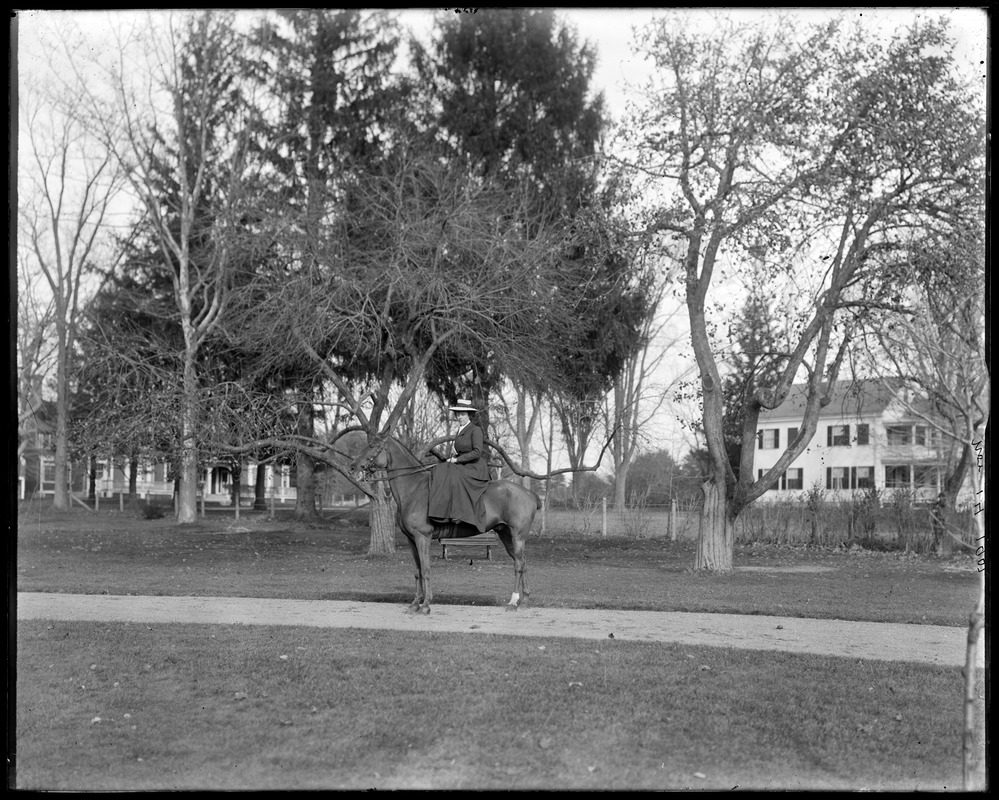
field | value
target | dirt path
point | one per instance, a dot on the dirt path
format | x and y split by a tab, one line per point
931	644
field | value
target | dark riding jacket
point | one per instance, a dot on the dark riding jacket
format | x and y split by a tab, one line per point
470	453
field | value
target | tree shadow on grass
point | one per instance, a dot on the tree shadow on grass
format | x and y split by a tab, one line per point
448	599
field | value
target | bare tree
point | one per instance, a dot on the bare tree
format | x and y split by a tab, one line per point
423	265
805	152
34	352
935	353
68	184
522	421
181	139
639	395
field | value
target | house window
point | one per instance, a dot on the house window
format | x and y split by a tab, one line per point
924	477
769	438
864	478
759	476
902	435
897	477
863	434
793	479
837	477
898	435
838	436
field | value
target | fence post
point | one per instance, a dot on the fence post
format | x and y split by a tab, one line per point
603	527
672	520
121	501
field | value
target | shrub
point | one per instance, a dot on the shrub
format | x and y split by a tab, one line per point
147	510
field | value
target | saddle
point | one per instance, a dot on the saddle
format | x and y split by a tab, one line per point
453	530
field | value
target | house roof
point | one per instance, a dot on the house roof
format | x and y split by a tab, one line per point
850	399
42	418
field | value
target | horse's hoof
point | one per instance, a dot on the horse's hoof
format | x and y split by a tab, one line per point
425	610
512	607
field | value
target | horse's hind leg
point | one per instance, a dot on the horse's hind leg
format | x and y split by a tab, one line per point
514	544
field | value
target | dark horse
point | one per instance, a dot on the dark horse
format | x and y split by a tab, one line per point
509	511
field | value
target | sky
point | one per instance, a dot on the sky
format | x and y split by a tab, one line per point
611	30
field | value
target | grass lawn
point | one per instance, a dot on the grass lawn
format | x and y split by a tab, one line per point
133	707
103	706
117	554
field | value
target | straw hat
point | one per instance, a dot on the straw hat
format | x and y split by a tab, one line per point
464	405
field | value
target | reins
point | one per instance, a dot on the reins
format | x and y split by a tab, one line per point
412	471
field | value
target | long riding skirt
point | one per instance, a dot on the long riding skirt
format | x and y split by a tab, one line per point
455	494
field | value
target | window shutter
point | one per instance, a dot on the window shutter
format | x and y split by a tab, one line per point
759	474
853	477
777	438
783	481
829	477
792	434
828	436
863	434
759	439
846	434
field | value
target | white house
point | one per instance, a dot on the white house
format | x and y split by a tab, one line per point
867	436
215	482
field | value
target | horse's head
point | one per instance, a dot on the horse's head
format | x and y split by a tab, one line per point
373	457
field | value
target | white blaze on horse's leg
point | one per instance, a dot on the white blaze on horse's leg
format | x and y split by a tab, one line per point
514	599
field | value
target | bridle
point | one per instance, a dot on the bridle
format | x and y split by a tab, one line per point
367	472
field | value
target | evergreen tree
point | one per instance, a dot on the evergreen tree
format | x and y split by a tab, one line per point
509	95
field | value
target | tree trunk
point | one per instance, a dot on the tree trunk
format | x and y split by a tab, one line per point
621	446
187	499
60	500
976	622
947	500
305	465
237	477
716	531
260	489
381	519
480	399
523	437
620	485
133	479
92	482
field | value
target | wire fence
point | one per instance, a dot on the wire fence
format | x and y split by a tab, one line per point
897	523
873	521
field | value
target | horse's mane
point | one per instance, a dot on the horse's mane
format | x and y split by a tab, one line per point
405	448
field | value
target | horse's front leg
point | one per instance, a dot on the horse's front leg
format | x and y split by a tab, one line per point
426	594
418	599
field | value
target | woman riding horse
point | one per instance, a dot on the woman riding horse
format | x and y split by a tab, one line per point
456	486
